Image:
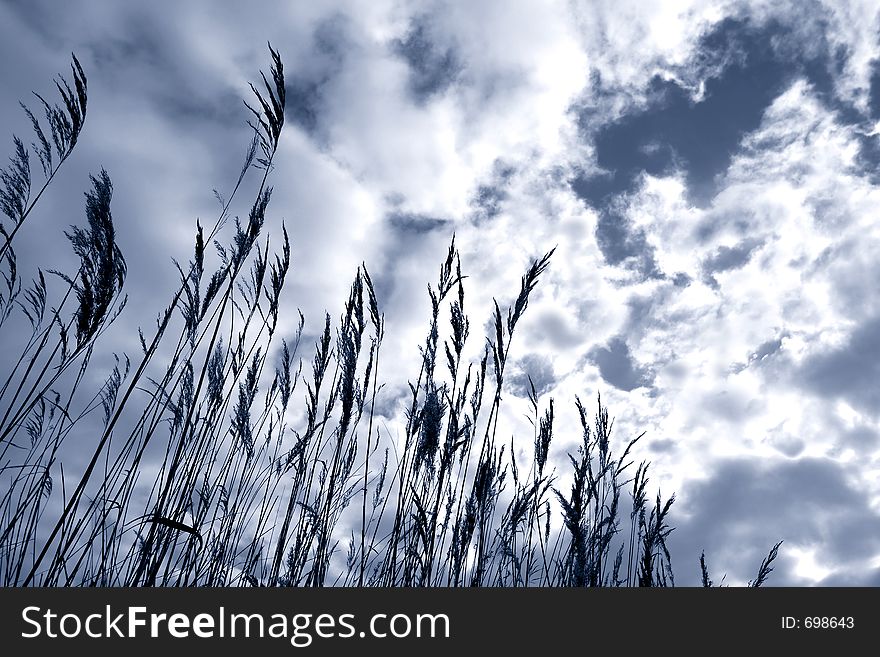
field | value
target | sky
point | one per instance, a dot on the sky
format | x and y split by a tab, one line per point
707	171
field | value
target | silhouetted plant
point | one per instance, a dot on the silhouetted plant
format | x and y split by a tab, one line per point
200	475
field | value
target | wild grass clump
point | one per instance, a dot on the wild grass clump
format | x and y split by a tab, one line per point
220	454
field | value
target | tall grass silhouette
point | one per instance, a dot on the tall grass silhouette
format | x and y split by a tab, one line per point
198	476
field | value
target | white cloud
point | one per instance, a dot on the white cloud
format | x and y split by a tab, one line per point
796	188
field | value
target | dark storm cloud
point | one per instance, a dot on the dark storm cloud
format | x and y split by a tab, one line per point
433	67
862	439
681	280
874	94
488	201
850	371
641	309
790	446
135	53
676	133
305	100
766	349
663	446
390	400
138	44
748	504
406	233
38	17
409	224
536	367
726	258
646	312
617	366
739	220
625	246
552	327
307	81
869	156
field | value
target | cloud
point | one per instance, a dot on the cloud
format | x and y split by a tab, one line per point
531	370
741	74
432	68
850	371
715	89
617	366
625	246
726	258
746	505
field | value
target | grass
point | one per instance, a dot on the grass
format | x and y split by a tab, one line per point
222	455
